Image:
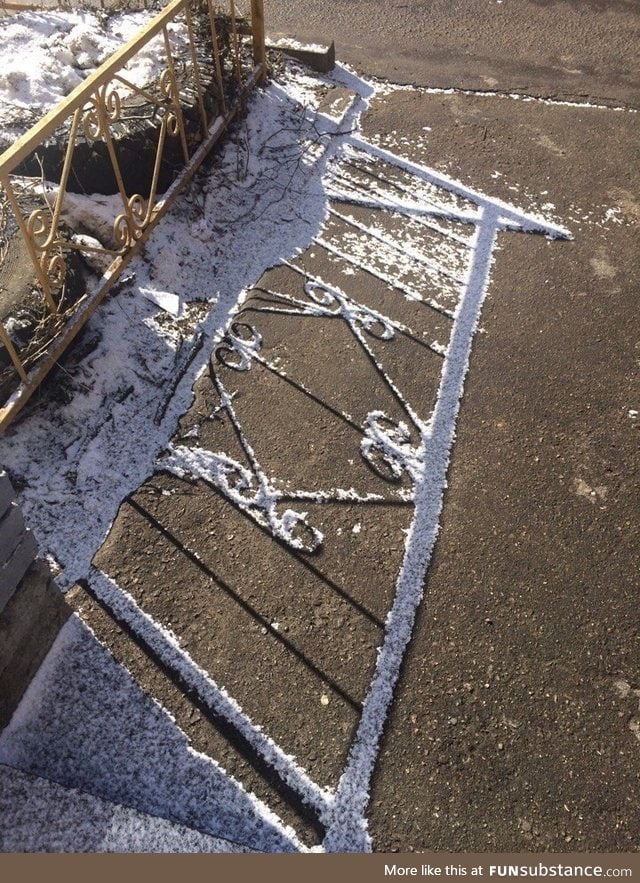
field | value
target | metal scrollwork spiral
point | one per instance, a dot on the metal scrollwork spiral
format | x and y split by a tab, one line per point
104	108
112	104
39	227
138	214
168	90
122	233
55	269
128	226
166	85
173	126
91	123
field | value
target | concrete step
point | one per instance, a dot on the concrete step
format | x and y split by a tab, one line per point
38	815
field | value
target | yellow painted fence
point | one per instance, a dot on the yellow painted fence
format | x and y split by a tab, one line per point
210	58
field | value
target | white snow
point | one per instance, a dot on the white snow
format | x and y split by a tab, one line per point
513	96
167	647
45	55
250	491
38	815
296	44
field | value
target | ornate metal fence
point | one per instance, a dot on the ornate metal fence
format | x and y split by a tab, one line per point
140	142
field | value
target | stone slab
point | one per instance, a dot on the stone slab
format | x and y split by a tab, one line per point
320	58
7	494
29	623
22	557
11	530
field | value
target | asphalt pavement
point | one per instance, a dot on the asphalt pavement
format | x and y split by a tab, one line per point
562	48
516	723
270	537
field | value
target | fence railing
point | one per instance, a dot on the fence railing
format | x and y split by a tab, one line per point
138	141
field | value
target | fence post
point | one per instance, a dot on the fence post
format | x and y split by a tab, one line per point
257	28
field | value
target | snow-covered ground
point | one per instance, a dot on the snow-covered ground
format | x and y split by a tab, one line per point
45	55
85	724
74	462
263	201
